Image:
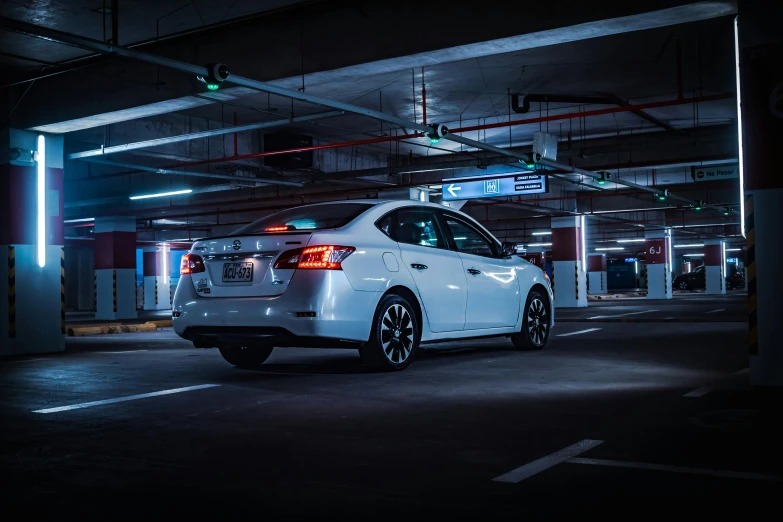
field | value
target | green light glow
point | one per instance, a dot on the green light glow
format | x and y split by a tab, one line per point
212	86
662	198
433	141
602	182
698	208
726	213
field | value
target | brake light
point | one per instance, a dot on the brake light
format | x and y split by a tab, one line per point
279	229
328	257
191	264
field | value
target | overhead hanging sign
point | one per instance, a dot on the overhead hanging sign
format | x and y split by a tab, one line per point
513	185
714	173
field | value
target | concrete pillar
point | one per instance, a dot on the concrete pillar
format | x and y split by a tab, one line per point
32	297
156	270
715	266
115	268
761	84
659	275
596	274
570	281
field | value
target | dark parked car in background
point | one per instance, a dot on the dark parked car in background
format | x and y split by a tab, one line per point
697	280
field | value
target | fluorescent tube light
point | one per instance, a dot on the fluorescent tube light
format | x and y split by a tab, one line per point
690	245
163	194
41	172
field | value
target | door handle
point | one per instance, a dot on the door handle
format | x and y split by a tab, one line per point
418	266
474	271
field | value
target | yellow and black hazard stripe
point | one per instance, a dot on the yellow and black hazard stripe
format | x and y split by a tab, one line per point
11	292
114	289
62	290
750	235
156	290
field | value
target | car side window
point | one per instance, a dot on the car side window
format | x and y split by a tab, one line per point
469	240
414	226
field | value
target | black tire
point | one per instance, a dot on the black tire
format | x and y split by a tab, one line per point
536	322
683	285
246	356
395	335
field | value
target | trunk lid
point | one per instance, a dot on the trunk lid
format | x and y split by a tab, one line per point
243	266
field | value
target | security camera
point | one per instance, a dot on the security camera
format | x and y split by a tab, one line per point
217	73
436	132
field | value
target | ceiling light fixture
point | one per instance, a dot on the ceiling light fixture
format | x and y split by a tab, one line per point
608	248
733	249
539	244
541	233
162	194
693	255
640	240
80	220
690	245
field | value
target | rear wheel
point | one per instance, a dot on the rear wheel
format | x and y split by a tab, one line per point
684	285
246	356
535	323
395	336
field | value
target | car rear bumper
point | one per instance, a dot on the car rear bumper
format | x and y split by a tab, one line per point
341	313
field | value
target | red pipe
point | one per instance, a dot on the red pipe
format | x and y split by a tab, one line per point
597	112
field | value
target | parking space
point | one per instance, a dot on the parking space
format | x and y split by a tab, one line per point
696	307
162	421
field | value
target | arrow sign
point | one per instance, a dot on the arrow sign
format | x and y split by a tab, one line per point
495	186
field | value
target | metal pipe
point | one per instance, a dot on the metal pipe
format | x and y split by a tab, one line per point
195	174
204	134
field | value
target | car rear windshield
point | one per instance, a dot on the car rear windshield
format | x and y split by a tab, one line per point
310	217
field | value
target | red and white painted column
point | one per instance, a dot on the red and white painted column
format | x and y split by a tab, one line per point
760	109
157	293
596	274
115	268
32	262
568	263
657	252
715	266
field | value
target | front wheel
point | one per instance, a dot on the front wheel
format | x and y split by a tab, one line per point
395	336
535	323
684	285
249	356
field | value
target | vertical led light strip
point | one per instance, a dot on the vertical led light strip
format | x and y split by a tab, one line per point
584	245
165	263
739	128
669	241
41	191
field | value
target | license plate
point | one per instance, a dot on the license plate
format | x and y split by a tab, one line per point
237	272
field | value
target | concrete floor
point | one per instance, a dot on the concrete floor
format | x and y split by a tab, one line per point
315	434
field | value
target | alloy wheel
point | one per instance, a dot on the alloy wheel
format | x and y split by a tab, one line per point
537	322
397	334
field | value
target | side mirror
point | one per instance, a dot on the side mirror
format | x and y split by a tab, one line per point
508	249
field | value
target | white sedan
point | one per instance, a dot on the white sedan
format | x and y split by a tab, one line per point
380	276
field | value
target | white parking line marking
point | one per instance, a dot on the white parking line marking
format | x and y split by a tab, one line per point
123	399
579	332
126	351
544	463
670	318
675	469
622	315
699	392
716	311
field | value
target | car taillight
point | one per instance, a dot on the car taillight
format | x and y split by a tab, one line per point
326	257
289	259
191	264
285	228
